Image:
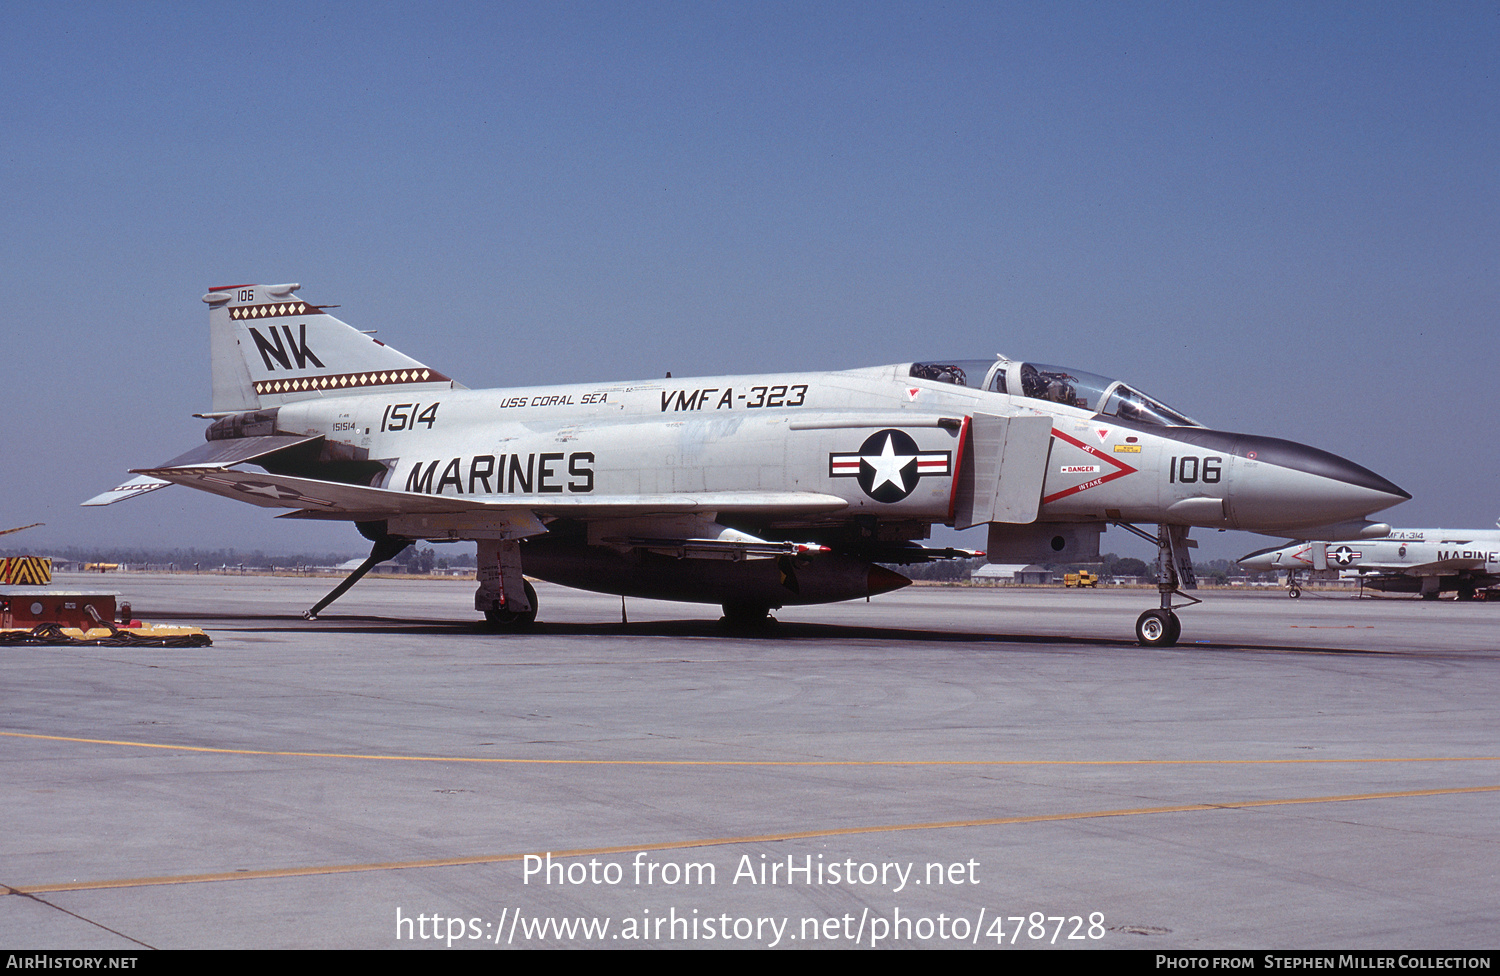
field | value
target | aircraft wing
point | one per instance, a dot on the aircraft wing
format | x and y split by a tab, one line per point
313	498
1436	567
285	491
744	502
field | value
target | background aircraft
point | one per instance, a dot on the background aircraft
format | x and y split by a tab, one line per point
1426	561
753	492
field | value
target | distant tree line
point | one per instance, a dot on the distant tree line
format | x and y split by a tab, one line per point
1110	566
425	559
940	570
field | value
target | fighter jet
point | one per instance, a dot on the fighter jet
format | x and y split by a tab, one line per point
1425	561
752	492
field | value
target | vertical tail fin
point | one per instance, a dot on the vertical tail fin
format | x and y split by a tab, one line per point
270	347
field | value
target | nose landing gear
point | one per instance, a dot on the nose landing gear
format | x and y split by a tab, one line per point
1174	573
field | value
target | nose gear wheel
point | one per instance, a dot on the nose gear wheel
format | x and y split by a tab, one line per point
1174	568
1158	628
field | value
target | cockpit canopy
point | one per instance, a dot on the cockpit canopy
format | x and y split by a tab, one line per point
1057	384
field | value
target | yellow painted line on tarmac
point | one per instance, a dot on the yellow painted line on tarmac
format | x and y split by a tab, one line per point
723	841
745	762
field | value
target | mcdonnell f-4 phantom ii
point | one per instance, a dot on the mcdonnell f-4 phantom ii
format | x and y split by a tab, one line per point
752	492
1425	561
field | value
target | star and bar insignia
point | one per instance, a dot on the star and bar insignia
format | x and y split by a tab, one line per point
889	465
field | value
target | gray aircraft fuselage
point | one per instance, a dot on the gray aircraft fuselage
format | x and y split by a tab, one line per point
804	432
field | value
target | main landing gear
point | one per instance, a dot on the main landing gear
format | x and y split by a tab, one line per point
507	600
500	618
746	617
1174	572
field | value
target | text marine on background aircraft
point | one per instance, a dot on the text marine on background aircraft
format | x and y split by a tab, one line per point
1425	561
753	492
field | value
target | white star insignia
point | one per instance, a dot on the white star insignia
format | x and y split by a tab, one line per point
888	465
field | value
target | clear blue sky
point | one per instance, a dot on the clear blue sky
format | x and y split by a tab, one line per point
1280	218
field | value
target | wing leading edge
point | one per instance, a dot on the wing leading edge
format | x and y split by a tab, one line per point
314	498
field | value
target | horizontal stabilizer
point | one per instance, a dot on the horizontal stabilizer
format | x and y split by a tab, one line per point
214	454
130	489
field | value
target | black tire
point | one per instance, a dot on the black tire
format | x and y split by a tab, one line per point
1157	628
746	616
509	620
1294	592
